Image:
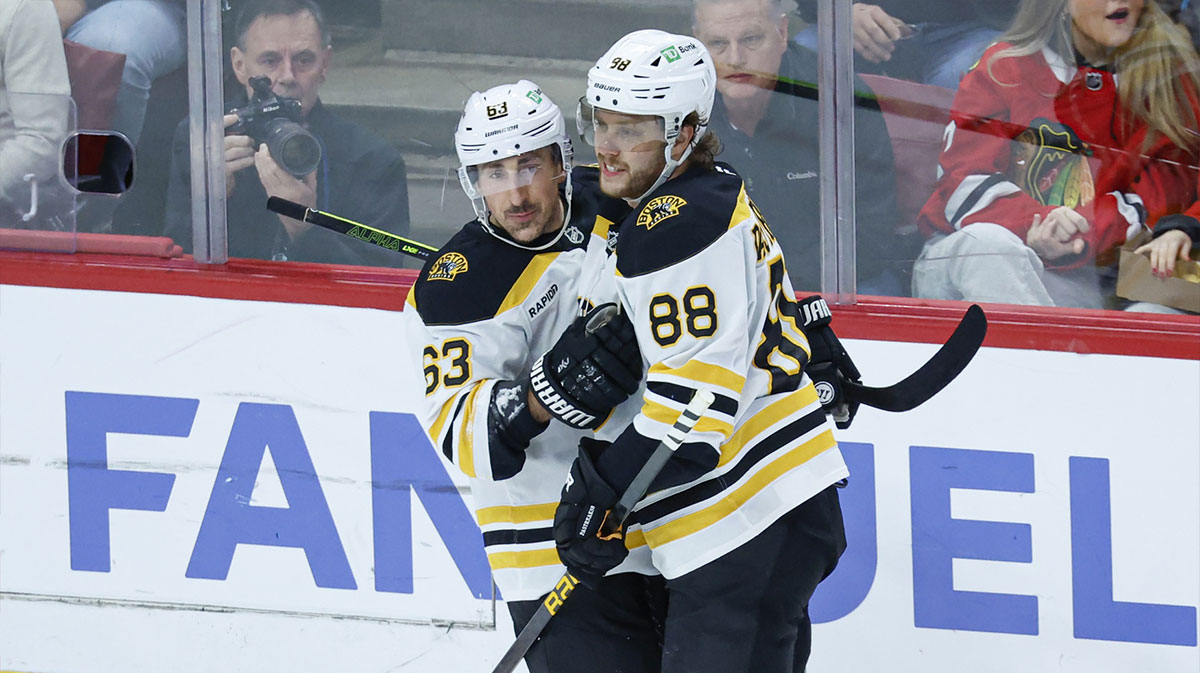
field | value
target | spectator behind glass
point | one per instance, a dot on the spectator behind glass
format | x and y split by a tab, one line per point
1073	133
1187	14
151	33
34	95
928	41
360	176
766	117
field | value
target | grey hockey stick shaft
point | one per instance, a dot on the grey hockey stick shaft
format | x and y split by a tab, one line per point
565	586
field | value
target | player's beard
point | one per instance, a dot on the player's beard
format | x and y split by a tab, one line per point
542	221
634	180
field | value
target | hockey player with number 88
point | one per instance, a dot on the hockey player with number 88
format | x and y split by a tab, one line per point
744	520
501	298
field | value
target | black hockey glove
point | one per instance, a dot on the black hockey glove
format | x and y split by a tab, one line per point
594	367
586	501
830	364
510	426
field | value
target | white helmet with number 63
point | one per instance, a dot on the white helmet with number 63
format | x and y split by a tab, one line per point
652	73
507	121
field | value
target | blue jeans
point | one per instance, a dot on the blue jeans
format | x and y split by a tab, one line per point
939	54
153	36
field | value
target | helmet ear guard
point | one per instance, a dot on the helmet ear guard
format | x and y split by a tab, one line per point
503	122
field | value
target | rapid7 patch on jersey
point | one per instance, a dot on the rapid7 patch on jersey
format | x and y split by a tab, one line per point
659	209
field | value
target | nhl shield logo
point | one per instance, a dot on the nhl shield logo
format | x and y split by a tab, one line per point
659	209
448	266
825	392
573	234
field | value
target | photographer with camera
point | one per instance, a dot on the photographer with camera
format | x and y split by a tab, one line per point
281	141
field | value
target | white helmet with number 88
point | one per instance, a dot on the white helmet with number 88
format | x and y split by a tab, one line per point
652	73
507	121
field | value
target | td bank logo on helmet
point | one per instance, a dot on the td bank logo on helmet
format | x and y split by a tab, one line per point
674	53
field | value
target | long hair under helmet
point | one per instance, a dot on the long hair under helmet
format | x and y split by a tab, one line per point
507	121
653	73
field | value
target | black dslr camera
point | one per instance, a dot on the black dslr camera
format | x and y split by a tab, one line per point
274	120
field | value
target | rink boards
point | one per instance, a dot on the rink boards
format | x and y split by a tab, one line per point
197	484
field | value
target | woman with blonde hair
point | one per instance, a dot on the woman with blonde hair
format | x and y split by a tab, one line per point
1075	131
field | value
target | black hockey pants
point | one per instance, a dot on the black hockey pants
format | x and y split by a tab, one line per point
747	611
615	629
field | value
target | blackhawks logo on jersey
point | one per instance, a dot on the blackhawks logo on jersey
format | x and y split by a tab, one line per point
659	209
1050	163
448	266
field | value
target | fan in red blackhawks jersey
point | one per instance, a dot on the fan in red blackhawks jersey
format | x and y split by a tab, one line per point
744	519
1064	141
499	300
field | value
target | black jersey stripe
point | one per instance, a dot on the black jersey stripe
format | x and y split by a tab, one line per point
711	487
517	536
682	394
977	194
448	438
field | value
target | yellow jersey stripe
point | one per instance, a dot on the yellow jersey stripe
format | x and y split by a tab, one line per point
766	417
411	299
466	436
528	280
664	414
516	514
435	430
601	227
701	519
702	372
534	558
742	211
635	539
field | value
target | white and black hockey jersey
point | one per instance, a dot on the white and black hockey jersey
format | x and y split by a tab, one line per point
704	283
490	309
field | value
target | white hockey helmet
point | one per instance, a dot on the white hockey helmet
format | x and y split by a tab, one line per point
508	121
654	73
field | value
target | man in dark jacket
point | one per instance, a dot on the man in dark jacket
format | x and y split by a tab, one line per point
359	175
765	115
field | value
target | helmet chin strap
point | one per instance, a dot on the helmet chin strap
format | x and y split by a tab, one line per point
671	164
485	219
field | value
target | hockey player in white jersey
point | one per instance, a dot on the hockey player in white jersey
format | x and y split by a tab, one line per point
494	301
744	520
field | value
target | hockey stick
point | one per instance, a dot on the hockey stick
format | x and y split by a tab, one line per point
947	363
384	239
565	586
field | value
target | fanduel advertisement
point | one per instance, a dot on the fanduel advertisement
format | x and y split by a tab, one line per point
166	455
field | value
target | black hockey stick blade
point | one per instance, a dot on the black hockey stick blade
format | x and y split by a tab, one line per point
384	239
700	402
947	363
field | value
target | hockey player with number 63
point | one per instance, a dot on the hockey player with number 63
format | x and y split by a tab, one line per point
508	349
744	520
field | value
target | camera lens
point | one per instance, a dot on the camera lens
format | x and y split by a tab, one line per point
292	147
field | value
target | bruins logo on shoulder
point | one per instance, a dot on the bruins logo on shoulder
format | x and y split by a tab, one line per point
659	209
448	266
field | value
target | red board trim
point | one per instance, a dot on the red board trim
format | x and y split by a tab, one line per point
873	318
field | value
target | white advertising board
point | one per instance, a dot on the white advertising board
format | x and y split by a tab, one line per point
243	484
